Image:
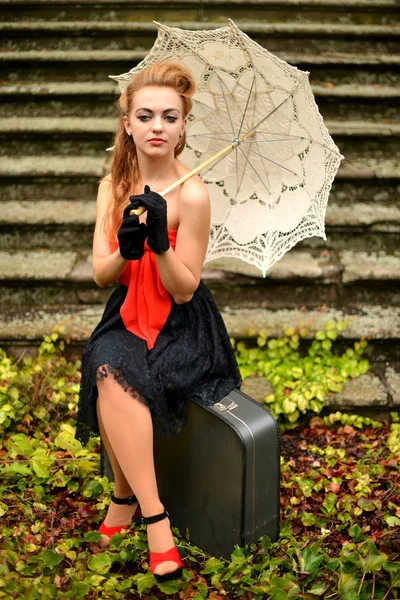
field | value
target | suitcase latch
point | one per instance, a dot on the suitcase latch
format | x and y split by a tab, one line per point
225	404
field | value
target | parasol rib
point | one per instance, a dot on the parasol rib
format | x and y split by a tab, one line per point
247	104
256	172
275	163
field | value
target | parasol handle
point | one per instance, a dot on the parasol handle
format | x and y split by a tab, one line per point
142	209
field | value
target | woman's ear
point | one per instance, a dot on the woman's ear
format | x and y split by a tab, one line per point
127	125
184	126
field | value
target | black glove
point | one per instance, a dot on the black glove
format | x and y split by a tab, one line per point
132	234
157	227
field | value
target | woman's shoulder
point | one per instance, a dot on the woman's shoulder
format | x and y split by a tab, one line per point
194	190
105	188
106	179
104	193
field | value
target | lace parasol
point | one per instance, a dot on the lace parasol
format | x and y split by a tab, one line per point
270	160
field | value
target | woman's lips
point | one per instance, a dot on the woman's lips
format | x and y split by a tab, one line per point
156	142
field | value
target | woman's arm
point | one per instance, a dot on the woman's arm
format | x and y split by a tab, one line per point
180	270
107	265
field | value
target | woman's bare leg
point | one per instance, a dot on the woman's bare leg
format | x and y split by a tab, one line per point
122	487
129	428
117	514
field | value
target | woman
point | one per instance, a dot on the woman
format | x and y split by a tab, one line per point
161	339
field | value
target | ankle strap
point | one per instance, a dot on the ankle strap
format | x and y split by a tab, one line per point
129	500
154	518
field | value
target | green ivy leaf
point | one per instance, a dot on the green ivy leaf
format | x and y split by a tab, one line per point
318	589
308	519
40	464
13	393
172	587
10	556
23	444
144	581
370	559
212	566
50	558
66	440
282	588
309	560
80	590
20	468
348	586
92	536
393	568
366	504
100	563
392	521
92	489
356	533
328	507
97	580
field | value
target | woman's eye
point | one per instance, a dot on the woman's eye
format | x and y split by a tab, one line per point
169	118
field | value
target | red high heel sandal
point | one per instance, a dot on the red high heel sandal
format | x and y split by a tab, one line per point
109	531
157	558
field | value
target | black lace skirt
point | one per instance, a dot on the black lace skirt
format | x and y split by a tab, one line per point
192	358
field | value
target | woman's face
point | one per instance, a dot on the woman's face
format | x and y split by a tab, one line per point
156	120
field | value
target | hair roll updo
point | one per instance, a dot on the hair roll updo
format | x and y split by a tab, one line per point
124	165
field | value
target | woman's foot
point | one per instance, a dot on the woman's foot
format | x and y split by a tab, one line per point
118	515
160	539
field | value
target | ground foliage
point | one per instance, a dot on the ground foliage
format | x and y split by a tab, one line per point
340	506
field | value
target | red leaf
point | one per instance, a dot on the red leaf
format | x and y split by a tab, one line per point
85	511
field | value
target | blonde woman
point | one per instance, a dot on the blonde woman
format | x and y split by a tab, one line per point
161	339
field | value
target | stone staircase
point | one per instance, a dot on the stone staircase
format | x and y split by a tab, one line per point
58	116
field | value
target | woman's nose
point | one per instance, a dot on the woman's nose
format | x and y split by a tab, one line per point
157	125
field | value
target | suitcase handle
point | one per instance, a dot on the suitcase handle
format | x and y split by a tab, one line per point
225	404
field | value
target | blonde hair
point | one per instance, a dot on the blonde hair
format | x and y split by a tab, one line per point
124	165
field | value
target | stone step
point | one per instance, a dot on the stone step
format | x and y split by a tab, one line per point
229	290
17	125
27	213
70	178
92	167
381	236
68	224
372	102
87	126
379	323
93	35
83	99
334	69
342	278
362	12
41	266
90	136
378	390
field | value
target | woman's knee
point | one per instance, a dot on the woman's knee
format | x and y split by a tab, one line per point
111	385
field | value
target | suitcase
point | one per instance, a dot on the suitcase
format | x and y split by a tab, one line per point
219	477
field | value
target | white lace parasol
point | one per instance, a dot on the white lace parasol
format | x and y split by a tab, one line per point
270	189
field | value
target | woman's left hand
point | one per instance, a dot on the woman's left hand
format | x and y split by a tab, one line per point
156	221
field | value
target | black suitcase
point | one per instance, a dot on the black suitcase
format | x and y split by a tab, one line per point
219	477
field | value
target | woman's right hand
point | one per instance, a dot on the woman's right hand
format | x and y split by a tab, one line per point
132	234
